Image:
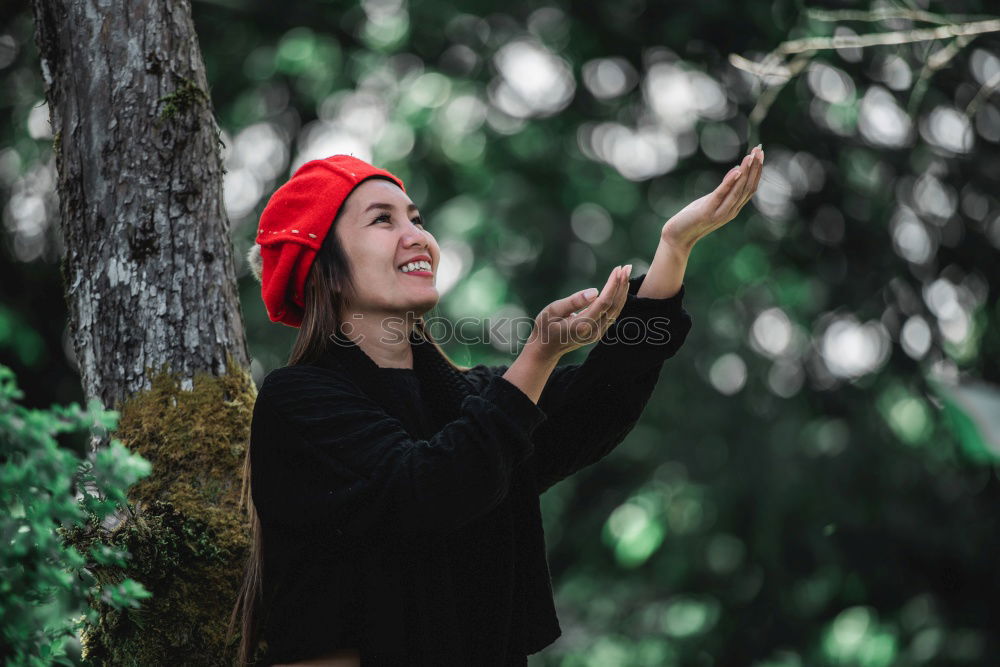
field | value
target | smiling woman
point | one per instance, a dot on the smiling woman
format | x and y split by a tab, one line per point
393	496
383	237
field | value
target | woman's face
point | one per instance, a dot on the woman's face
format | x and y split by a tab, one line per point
380	231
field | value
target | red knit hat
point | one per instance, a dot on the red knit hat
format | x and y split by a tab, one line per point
294	224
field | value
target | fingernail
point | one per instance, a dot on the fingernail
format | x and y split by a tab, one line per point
628	269
590	293
760	146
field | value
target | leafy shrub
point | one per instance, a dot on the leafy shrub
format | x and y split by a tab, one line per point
46	584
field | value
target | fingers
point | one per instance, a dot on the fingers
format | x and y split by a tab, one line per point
747	174
756	167
589	324
750	169
758	171
576	302
728	183
606	297
731	201
616	298
569	305
605	319
622	295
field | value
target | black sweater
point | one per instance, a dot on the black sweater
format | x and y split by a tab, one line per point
400	507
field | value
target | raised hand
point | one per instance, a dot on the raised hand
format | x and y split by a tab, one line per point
705	215
560	328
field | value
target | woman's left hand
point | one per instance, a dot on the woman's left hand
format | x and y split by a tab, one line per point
705	215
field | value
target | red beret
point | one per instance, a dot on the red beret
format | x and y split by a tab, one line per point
294	224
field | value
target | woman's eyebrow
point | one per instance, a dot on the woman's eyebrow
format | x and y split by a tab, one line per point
411	207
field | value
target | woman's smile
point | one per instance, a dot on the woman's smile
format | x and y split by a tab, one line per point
419	266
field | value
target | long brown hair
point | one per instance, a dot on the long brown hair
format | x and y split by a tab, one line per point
328	291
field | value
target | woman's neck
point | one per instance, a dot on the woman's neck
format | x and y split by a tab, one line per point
385	339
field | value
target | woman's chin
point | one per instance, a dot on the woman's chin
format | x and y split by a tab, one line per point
421	306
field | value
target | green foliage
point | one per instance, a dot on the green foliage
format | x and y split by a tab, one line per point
185	533
765	511
22	340
45	584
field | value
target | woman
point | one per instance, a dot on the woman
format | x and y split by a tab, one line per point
393	496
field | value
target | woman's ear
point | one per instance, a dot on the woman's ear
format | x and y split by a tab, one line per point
255	261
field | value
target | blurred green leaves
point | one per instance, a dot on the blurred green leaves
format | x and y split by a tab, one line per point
799	490
972	409
855	637
46	584
19	338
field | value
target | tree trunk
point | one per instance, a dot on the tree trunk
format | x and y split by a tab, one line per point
148	268
154	308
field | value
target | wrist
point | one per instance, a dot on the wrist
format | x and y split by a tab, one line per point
536	353
678	249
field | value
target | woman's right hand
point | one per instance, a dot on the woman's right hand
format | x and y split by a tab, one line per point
559	328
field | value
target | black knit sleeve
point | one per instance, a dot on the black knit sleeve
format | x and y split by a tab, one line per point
592	406
327	458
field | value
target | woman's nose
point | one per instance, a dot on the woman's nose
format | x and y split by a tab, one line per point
413	234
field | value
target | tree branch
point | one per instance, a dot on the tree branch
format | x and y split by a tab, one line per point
774	72
886	38
984	92
934	62
883	14
768	97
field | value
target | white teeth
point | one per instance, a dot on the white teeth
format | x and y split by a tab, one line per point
422	264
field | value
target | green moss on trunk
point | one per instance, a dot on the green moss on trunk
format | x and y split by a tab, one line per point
182	99
187	534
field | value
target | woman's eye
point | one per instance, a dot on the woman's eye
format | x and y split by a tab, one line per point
385	217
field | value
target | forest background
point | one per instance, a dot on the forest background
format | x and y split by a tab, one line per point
815	480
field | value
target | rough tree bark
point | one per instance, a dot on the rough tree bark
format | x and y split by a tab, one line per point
148	268
154	309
